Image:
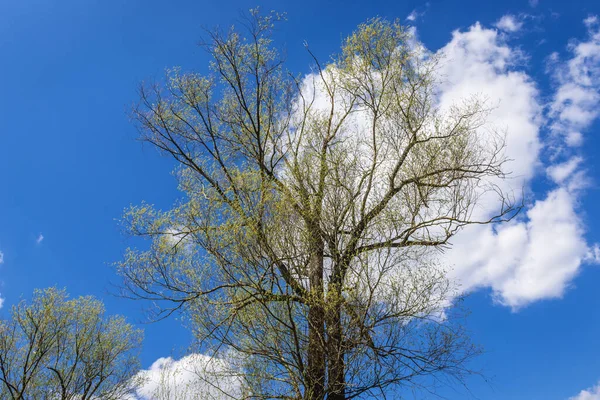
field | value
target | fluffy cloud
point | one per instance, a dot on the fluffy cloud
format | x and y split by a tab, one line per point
589	394
194	377
478	62
525	260
39	239
509	23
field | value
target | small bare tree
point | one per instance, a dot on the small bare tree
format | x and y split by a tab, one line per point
56	348
314	208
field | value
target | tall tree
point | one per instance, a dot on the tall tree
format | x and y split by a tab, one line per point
56	348
314	209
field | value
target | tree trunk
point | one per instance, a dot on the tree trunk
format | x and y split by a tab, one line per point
315	374
335	350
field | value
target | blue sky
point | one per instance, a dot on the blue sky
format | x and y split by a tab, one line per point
70	162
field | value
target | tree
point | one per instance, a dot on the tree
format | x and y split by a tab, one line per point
314	209
60	348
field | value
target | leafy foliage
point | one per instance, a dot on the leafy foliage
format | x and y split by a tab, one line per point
66	349
313	209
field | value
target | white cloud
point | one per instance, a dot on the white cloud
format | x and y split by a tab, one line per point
39	239
569	174
412	16
591	20
509	23
593	255
479	62
576	103
415	15
589	394
536	256
194	377
560	172
527	260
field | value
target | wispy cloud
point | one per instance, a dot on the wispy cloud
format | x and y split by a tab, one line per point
416	14
509	23
39	239
559	173
412	16
576	103
533	3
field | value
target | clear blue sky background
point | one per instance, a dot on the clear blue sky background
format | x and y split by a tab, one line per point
70	162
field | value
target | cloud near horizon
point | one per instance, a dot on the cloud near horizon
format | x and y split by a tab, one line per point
193	377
